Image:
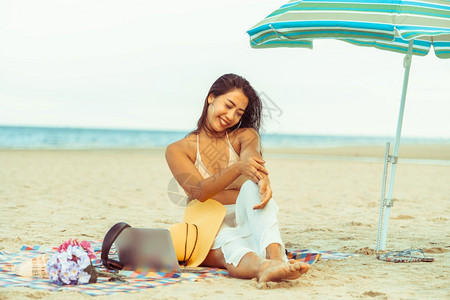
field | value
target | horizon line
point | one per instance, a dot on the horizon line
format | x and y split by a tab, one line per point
186	131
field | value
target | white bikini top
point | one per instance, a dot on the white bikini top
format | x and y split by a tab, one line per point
233	157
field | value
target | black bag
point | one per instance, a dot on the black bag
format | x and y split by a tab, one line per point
108	241
140	248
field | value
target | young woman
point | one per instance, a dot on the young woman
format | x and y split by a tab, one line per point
222	160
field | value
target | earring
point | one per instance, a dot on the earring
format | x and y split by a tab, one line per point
213	111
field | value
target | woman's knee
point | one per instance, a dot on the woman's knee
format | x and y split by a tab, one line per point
250	186
248	195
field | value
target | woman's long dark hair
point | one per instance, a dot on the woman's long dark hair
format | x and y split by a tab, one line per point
227	83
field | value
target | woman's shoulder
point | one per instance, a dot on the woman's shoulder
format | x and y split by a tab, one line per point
238	137
186	145
243	133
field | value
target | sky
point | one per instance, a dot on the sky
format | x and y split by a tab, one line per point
149	64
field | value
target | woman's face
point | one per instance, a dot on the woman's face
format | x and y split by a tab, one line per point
226	110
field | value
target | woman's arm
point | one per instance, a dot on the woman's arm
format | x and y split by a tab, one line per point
250	145
251	151
251	148
191	180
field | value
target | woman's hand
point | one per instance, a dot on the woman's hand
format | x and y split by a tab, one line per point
265	193
253	168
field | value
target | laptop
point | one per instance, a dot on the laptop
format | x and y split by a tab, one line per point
147	249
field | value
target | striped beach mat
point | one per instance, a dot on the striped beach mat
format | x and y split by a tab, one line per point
135	280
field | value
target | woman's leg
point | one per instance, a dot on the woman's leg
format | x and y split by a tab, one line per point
262	223
260	233
273	251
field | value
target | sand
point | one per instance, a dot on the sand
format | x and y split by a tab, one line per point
328	200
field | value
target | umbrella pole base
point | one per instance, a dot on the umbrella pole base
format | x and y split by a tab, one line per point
388	159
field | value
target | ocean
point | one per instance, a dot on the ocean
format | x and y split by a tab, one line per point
16	137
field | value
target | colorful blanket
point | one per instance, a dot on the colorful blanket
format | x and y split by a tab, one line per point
135	280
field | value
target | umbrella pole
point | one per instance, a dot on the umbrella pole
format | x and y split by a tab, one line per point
389	202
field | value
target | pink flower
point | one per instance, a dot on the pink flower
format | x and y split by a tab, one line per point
84	244
87	246
63	247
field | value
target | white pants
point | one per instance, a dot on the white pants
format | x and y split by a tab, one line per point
247	230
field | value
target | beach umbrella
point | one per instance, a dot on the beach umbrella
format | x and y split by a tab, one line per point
408	27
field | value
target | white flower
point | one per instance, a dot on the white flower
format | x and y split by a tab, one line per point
69	252
64	263
84	261
53	274
62	256
53	261
77	251
64	275
83	277
73	271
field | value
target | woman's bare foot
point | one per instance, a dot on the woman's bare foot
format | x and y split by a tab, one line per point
277	258
272	270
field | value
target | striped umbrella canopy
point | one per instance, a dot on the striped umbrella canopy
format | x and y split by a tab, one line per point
406	26
384	24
